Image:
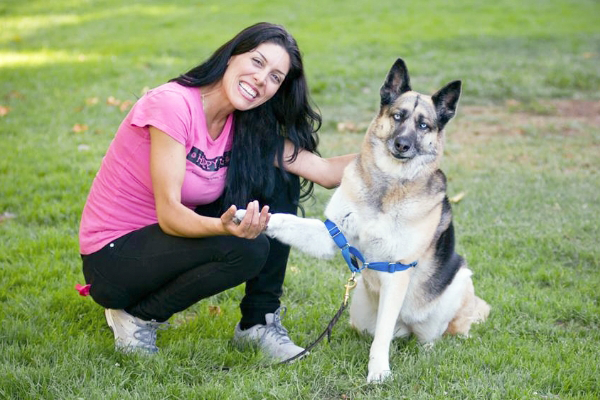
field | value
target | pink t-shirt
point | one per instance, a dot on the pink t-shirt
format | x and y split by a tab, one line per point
121	199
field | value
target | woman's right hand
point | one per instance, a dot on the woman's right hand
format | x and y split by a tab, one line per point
253	224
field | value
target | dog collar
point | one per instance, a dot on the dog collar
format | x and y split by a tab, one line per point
352	255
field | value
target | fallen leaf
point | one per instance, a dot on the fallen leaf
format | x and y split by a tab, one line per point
13	94
126	105
4	111
346	127
457	198
112	101
79	128
512	103
214	311
92	101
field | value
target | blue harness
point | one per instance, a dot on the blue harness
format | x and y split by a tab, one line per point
352	255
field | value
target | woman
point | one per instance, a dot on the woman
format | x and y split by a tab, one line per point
158	232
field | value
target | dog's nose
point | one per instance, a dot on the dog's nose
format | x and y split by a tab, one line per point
402	144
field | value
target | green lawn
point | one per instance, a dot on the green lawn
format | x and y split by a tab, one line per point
523	148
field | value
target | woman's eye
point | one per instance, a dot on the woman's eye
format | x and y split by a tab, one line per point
257	61
276	78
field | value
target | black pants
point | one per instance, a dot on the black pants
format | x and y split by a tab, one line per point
153	275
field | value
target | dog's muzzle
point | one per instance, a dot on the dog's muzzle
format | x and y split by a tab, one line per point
403	148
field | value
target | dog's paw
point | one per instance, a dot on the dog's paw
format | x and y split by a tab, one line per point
239	216
276	224
428	346
379	376
378	371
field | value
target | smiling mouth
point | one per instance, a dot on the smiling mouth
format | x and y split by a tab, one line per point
248	90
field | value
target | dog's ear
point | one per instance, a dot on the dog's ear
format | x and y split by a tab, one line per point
445	102
396	83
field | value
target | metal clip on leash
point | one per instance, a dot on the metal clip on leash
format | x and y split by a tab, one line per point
350	284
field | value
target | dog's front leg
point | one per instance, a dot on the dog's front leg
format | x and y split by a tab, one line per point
308	235
391	296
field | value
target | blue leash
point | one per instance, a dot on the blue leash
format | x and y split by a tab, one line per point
352	255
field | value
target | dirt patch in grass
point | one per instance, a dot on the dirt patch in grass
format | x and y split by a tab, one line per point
561	136
578	109
557	117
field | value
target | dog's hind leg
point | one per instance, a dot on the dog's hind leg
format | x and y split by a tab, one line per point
454	304
472	310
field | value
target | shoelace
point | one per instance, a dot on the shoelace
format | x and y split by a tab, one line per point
276	329
146	333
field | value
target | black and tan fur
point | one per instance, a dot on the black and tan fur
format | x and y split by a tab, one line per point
392	206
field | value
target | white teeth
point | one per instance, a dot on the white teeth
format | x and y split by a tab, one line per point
248	89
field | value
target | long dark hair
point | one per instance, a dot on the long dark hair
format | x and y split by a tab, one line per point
260	132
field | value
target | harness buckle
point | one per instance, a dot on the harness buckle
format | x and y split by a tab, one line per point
334	231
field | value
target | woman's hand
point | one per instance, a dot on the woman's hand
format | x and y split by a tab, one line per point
253	224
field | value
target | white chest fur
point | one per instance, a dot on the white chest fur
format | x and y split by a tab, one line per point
396	232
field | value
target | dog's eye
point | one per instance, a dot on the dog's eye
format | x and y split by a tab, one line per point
423	126
397	116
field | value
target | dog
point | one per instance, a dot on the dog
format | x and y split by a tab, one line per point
392	206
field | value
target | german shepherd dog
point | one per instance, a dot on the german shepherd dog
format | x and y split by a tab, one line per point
392	206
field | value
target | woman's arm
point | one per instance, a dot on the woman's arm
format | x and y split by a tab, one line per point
326	172
167	169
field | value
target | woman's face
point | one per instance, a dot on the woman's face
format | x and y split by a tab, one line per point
254	77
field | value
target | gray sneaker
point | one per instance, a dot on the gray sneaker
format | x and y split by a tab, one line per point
132	333
271	338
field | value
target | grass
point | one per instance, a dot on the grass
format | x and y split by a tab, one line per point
523	148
